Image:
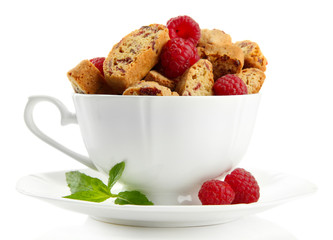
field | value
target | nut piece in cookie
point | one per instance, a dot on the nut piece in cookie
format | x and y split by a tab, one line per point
149	89
87	79
253	78
253	57
212	37
226	59
134	56
155	76
198	80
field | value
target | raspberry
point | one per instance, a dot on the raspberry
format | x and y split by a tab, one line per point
177	55
184	27
229	85
215	192
245	186
98	62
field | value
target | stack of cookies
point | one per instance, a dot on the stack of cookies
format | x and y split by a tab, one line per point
178	59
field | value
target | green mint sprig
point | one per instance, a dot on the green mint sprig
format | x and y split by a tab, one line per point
86	188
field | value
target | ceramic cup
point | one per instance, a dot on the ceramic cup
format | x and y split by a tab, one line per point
171	145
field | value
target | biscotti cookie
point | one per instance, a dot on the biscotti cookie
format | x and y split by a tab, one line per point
134	56
149	89
213	37
226	59
253	78
253	57
198	80
86	78
155	76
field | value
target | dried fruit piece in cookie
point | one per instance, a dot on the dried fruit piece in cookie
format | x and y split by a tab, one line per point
253	57
253	78
177	56
198	80
245	186
229	85
87	79
98	62
216	192
184	27
226	59
212	37
155	76
149	89
134	56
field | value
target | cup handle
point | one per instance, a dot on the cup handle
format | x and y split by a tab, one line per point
66	118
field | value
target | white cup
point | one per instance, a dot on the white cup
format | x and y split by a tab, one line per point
171	145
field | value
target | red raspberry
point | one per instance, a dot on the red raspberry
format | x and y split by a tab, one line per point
215	192
245	186
184	27
178	55
229	84
98	62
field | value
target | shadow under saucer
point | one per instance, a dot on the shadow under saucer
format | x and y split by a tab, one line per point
250	228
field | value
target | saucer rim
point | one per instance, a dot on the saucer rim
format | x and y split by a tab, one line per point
165	216
311	189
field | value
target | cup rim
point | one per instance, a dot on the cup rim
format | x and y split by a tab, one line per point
80	95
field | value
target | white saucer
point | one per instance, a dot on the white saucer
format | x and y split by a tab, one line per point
275	189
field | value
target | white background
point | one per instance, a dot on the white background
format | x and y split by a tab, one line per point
42	40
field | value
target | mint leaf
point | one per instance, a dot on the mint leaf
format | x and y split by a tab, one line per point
91	196
79	182
84	187
132	197
115	173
